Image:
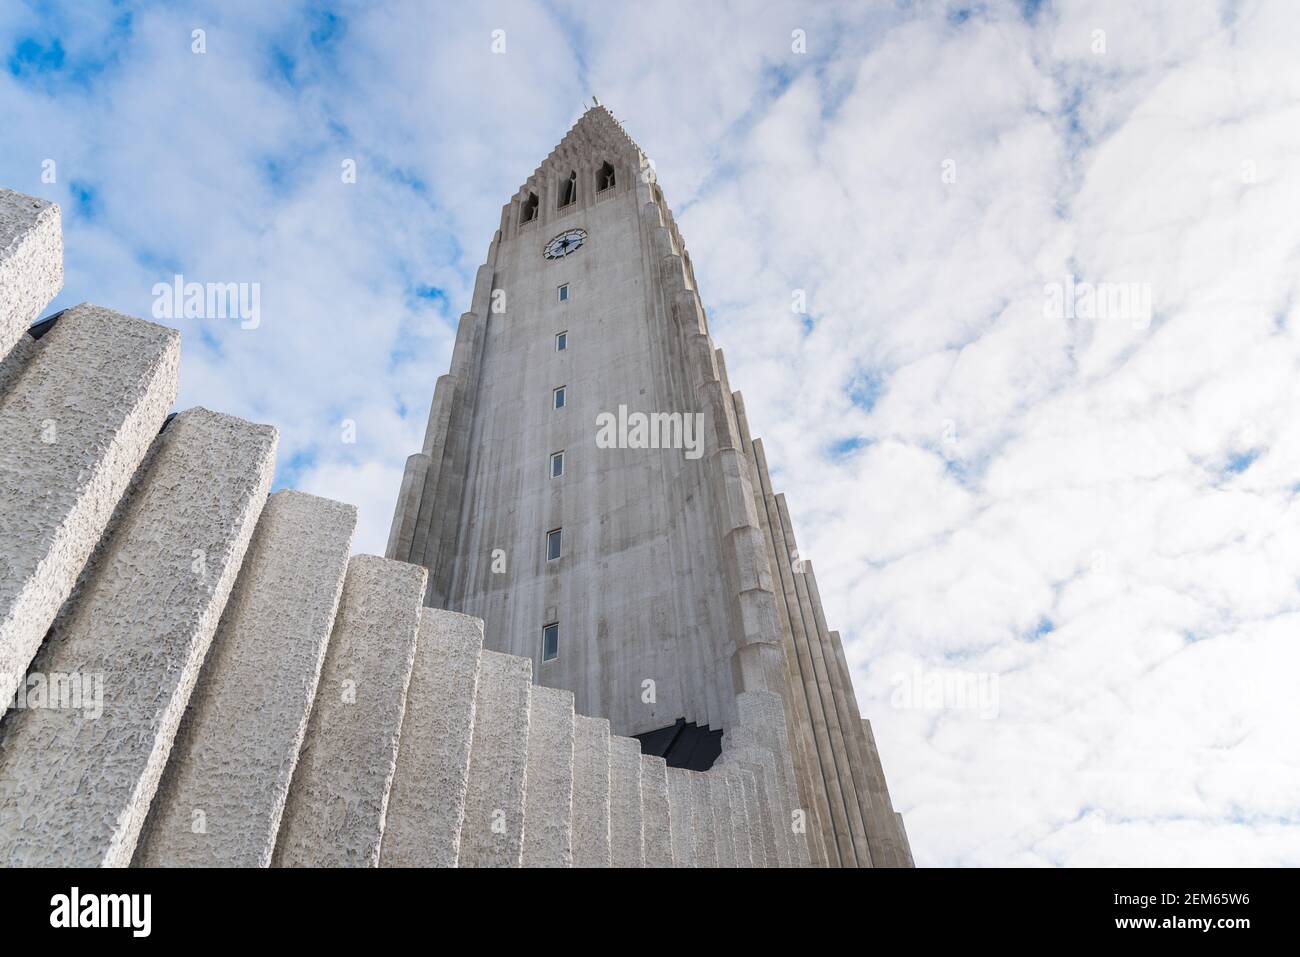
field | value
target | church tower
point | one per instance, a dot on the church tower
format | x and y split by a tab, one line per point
589	487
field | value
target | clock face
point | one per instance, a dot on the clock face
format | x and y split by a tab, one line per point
569	241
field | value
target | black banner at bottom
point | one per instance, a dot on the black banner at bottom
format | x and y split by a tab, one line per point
1227	907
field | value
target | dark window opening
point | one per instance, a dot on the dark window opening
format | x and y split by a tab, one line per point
569	190
605	178
551	641
684	745
528	211
553	545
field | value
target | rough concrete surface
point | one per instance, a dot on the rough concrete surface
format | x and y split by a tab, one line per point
339	797
655	826
590	792
222	794
703	822
74	789
681	816
31	261
548	787
758	823
626	847
720	798
492	835
73	429
426	806
741	821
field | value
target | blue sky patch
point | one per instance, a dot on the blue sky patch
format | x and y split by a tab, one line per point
1241	461
31	56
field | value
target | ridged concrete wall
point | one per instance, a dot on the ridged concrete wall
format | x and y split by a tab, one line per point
262	698
684	571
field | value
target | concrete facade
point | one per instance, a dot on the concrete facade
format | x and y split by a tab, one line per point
675	588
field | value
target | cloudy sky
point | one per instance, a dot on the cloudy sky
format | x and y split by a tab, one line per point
1062	543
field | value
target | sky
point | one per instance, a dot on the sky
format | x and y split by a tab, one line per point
1059	537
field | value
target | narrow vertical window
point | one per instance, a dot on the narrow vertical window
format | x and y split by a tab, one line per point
561	341
604	178
528	211
563	293
557	464
553	544
569	190
559	397
551	641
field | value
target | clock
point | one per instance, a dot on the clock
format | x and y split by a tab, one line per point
569	241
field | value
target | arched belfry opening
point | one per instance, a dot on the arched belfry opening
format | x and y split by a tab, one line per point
604	177
528	209
569	190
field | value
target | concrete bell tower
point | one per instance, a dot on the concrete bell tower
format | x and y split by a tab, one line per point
588	486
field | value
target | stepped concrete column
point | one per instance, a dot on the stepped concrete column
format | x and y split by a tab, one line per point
76	784
548	787
222	795
681	816
426	806
655	812
626	841
493	832
338	801
590	792
75	424
31	262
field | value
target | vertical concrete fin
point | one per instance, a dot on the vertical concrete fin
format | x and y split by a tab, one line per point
840	685
759	825
742	817
74	427
840	846
426	805
238	743
548	787
408	507
655	813
681	817
31	262
74	786
813	797
339	797
724	815
704	823
907	845
885	821
492	835
626	840
590	792
836	714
